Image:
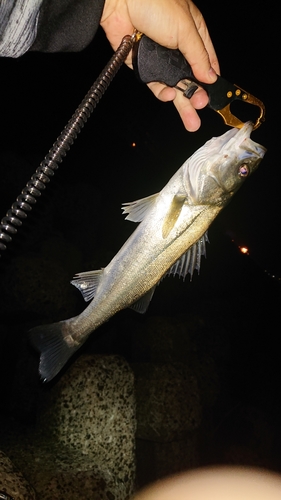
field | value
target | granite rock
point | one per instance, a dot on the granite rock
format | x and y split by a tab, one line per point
168	401
12	483
166	458
83	444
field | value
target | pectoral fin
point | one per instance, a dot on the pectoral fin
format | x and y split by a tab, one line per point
172	214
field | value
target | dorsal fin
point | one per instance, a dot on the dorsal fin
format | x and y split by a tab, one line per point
88	283
138	210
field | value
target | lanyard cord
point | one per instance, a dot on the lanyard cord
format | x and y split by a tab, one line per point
18	212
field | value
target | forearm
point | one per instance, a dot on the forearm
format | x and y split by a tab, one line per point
67	25
18	26
48	25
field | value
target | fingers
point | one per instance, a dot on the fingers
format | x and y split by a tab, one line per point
185	107
176	24
196	45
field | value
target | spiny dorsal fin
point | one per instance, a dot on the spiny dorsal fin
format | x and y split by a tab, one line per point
172	214
138	210
87	283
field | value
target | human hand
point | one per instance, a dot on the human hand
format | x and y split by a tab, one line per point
176	24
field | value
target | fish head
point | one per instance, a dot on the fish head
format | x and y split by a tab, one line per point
217	170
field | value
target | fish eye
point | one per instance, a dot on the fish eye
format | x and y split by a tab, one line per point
243	170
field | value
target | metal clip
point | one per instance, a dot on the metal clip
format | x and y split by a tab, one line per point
240	94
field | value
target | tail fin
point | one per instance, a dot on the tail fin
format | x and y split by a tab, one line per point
55	352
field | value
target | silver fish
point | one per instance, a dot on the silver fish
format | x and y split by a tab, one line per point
170	239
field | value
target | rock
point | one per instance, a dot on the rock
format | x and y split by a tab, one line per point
168	401
91	408
83	445
156	460
12	483
206	373
176	389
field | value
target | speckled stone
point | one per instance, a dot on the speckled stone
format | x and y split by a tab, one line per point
166	458
84	443
12	482
168	401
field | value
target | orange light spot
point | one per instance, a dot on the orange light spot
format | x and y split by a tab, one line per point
244	250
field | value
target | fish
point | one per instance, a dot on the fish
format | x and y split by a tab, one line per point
170	239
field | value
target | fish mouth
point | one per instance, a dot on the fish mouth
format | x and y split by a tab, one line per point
237	145
239	135
242	138
232	137
250	146
253	148
246	130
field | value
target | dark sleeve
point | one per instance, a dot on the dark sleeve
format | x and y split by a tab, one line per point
67	25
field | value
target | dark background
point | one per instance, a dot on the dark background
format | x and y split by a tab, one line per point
41	91
78	225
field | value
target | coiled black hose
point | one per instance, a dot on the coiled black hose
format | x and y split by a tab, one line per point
18	212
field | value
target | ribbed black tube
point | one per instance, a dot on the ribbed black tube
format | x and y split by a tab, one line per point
18	212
